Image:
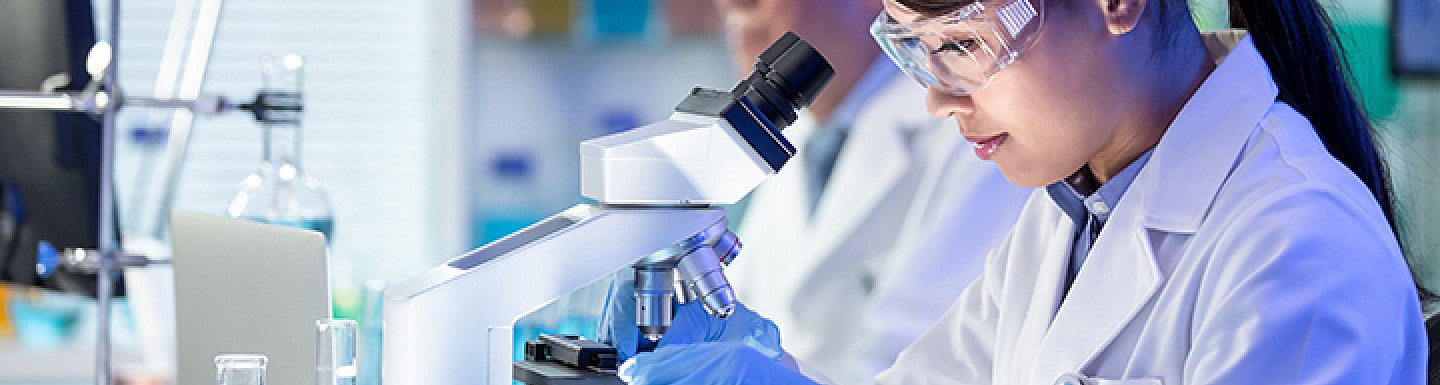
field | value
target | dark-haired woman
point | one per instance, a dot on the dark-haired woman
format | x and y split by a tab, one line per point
1212	208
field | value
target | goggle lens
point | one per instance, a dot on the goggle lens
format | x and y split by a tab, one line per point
959	52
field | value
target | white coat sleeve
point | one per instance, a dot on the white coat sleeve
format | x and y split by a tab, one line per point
1306	288
958	349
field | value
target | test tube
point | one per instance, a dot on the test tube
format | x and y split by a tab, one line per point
240	369
335	352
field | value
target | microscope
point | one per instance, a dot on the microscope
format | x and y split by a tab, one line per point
656	187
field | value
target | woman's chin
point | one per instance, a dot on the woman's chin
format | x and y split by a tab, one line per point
1027	178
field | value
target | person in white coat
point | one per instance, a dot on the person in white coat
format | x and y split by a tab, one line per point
1214	210
853	249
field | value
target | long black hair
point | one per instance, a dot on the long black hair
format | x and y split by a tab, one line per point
1299	45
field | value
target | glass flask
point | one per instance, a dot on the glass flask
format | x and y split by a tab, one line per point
280	191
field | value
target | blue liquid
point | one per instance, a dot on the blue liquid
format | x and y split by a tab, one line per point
46	323
621	18
325	225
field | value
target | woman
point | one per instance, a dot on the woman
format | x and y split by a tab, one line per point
1213	212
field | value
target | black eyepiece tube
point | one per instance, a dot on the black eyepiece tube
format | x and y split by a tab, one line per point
787	77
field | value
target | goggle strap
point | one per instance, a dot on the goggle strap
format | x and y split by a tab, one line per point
1016	15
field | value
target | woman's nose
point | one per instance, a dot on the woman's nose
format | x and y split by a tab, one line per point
944	104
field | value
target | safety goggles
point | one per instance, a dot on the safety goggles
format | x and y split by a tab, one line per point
960	51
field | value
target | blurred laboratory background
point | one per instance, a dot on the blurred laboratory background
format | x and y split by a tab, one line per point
436	126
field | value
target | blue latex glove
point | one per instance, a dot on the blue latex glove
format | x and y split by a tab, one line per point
690	325
708	363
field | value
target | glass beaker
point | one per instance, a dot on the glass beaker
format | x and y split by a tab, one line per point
240	369
335	352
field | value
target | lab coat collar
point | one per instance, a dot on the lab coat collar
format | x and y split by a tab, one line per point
1173	193
871	161
875	79
1197	152
871	164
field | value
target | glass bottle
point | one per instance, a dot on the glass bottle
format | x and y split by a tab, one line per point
279	191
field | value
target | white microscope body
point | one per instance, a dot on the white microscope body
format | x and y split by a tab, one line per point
455	323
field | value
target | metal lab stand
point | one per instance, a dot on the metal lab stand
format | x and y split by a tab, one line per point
185	101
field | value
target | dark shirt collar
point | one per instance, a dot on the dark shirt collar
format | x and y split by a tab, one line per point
1099	202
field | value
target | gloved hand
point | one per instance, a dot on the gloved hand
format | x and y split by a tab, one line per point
708	363
691	324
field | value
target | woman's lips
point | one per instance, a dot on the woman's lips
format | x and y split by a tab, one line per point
985	146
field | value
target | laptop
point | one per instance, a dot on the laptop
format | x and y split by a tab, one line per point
247	287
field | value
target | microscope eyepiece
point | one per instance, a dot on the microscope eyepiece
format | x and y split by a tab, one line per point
787	77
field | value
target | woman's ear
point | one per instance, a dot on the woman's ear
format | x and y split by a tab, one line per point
1121	16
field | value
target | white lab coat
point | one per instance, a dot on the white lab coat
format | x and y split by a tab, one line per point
1243	253
855	285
